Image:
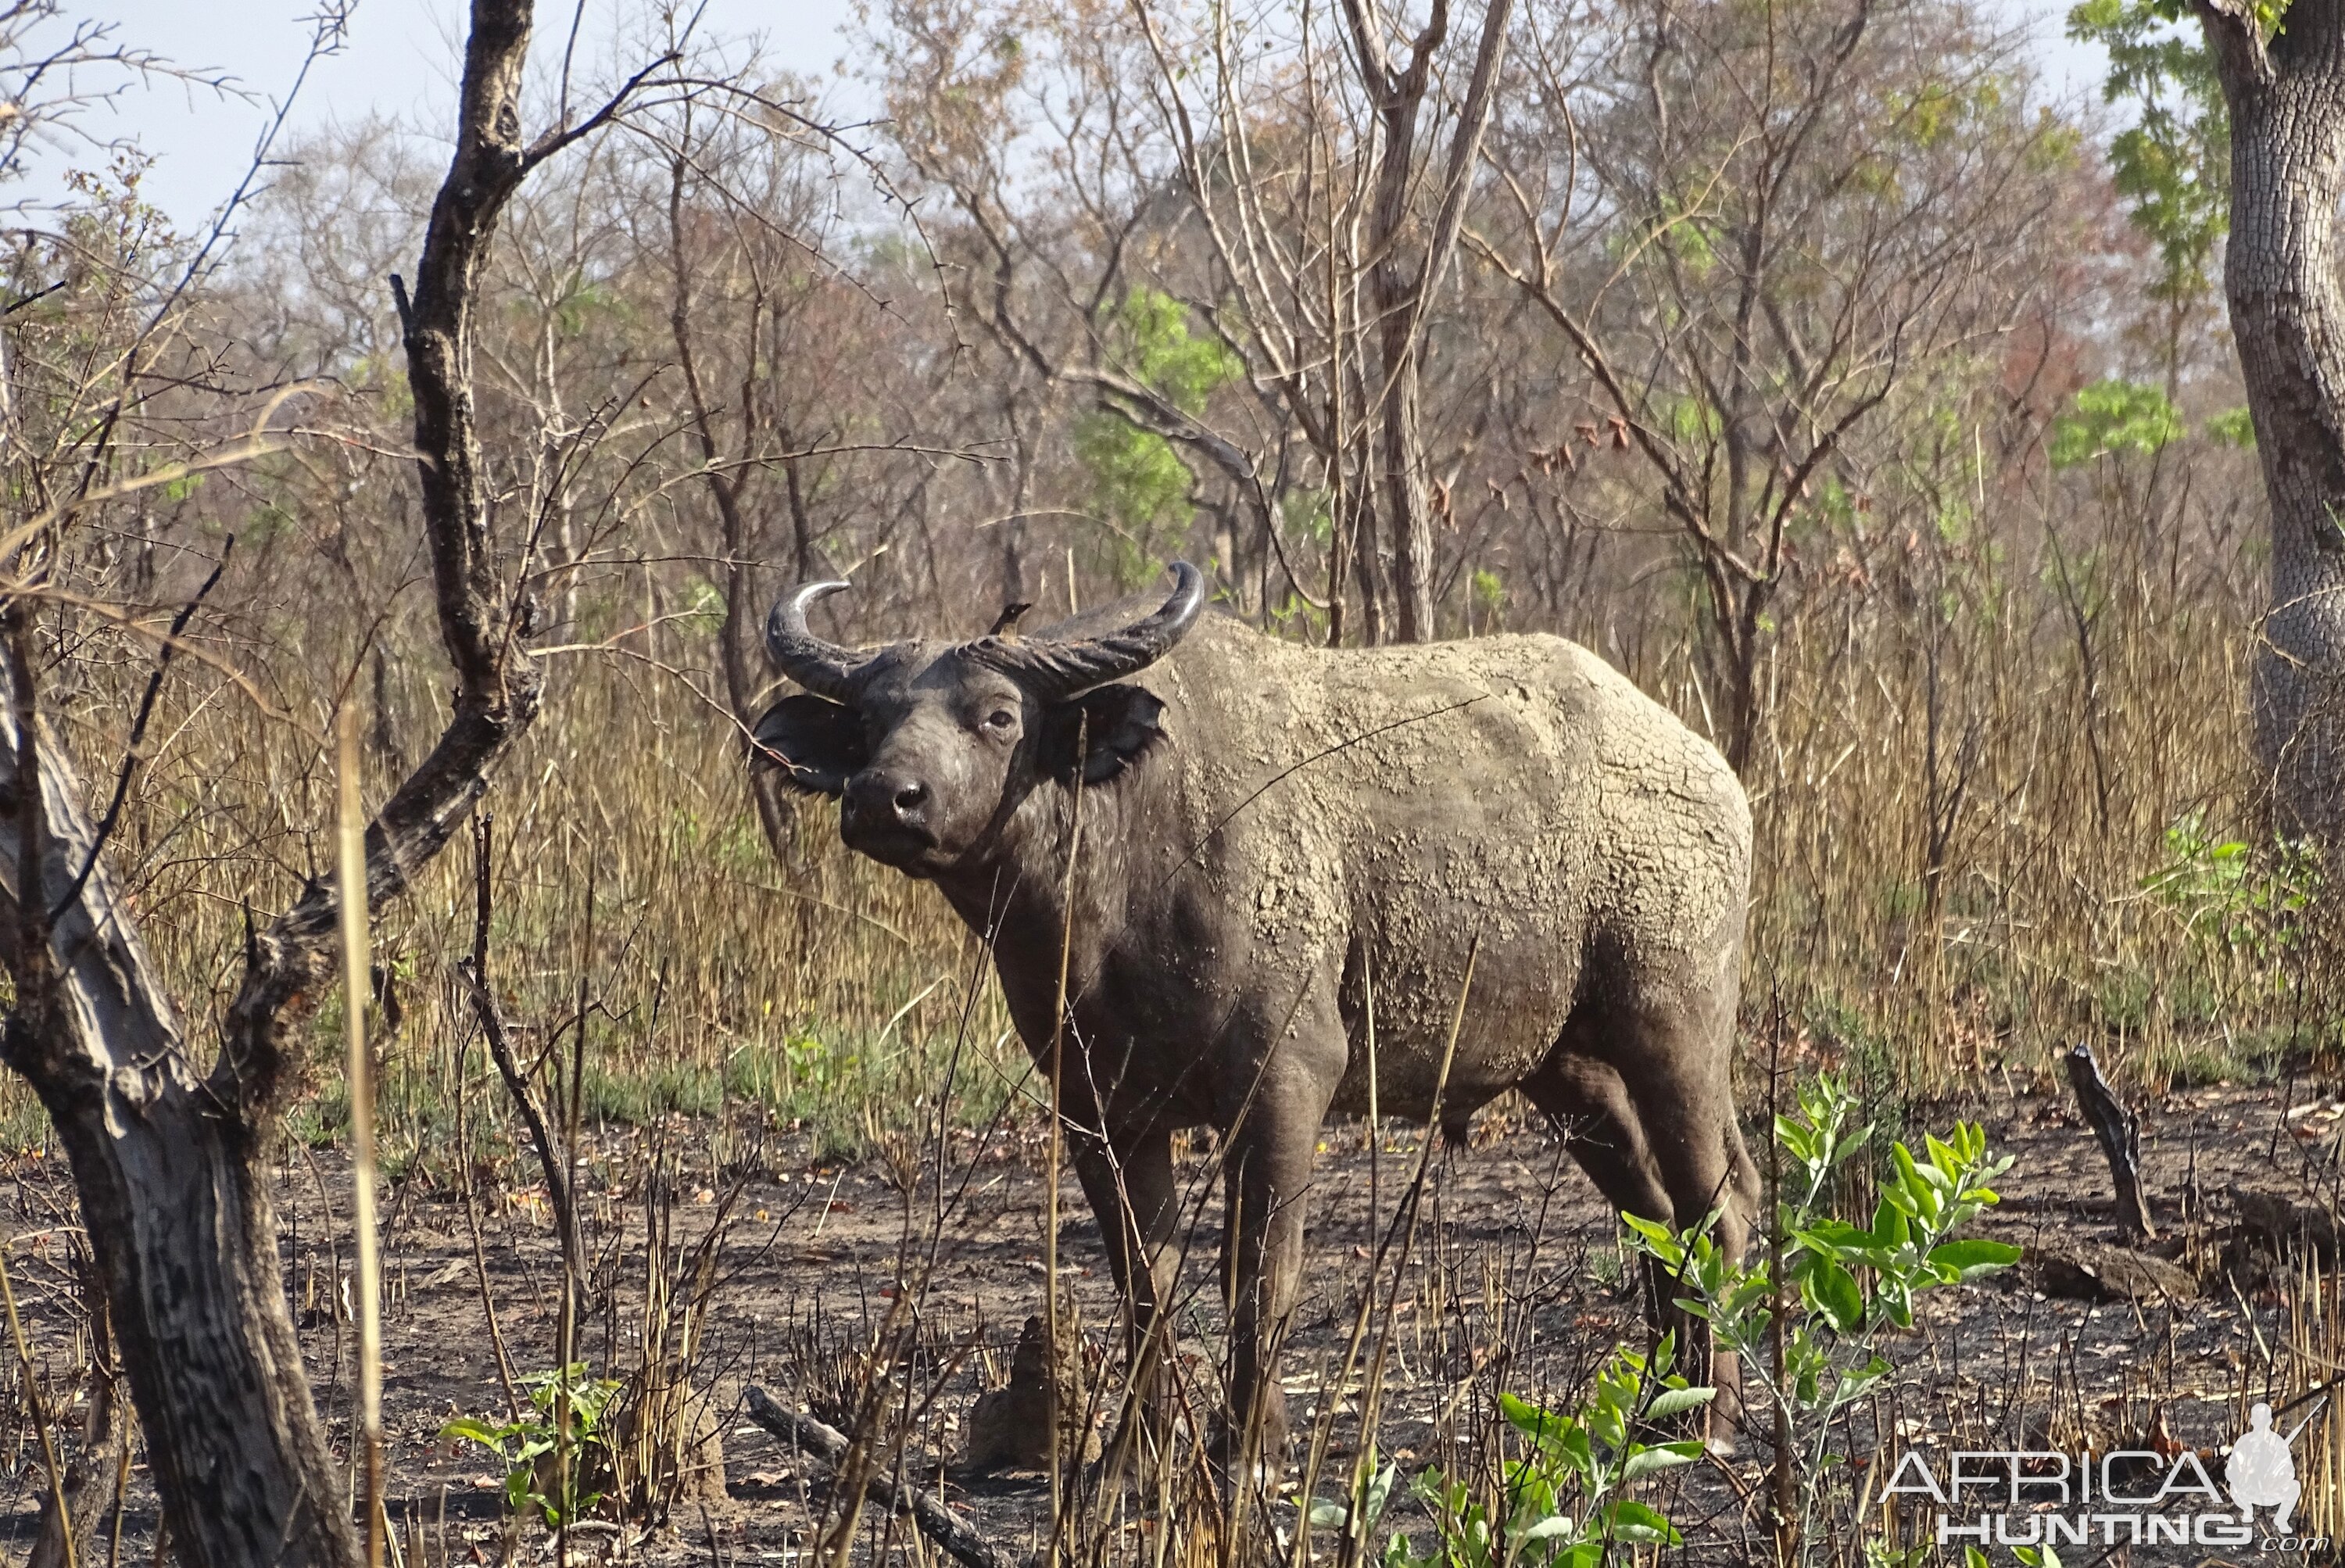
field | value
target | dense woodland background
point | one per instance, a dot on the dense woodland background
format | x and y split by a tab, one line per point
1971	456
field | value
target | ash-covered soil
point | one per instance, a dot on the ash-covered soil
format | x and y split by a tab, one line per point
1514	1281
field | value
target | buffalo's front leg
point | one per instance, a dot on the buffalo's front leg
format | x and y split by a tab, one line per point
1269	1172
1128	1178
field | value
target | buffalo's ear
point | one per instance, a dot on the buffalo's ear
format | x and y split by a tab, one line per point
1107	730
816	745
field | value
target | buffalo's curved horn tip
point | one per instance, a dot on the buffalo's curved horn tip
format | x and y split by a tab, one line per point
822	668
1063	669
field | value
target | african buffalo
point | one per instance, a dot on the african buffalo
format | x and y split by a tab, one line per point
1284	853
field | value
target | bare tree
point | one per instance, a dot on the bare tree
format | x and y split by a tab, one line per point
1767	227
169	1158
1400	282
1331	224
738	208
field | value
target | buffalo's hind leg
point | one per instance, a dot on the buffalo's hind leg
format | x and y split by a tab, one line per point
1647	1108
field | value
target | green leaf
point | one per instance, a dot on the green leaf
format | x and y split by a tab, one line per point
1542	1426
474	1430
1855	1383
1835	1295
1674	1401
1633	1521
1832	1235
1972	1259
1797	1141
1655	1238
1666	1456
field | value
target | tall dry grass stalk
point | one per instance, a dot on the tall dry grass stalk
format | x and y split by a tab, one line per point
350	832
2313	1301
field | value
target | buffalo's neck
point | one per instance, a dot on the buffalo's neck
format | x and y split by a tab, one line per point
1027	901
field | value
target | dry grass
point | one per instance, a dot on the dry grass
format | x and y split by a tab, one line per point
1969	776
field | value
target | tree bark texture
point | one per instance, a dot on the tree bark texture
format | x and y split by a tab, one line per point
2287	100
174	1198
1399	452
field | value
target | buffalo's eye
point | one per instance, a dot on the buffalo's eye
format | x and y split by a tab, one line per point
1001	718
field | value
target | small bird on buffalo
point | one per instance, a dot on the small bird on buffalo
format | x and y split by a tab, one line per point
1005	624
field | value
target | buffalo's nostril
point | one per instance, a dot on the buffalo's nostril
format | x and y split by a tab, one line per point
908	798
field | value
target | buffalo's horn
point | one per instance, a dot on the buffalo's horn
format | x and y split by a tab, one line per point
824	668
1062	669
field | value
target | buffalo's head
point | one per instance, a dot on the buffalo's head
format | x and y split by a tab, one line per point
928	746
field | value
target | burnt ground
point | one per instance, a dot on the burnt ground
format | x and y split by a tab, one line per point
1515	1281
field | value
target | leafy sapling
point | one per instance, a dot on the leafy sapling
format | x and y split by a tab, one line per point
1848	1283
1565	1502
528	1446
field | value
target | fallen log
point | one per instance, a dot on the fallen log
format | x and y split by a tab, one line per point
2095	1271
938	1522
2284	1223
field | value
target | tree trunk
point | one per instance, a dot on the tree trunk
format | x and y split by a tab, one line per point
1402	301
174	1198
2287	316
1400	450
1398	302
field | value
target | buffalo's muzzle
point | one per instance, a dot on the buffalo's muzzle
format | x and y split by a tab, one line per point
885	814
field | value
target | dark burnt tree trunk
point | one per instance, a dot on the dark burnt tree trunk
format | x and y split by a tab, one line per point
174	1195
2287	100
170	1160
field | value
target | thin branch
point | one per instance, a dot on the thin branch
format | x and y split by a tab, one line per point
131	752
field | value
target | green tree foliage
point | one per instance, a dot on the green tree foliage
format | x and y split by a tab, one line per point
2112	417
2233	427
1138	479
2173	166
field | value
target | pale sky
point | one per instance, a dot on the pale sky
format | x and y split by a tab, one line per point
403	58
